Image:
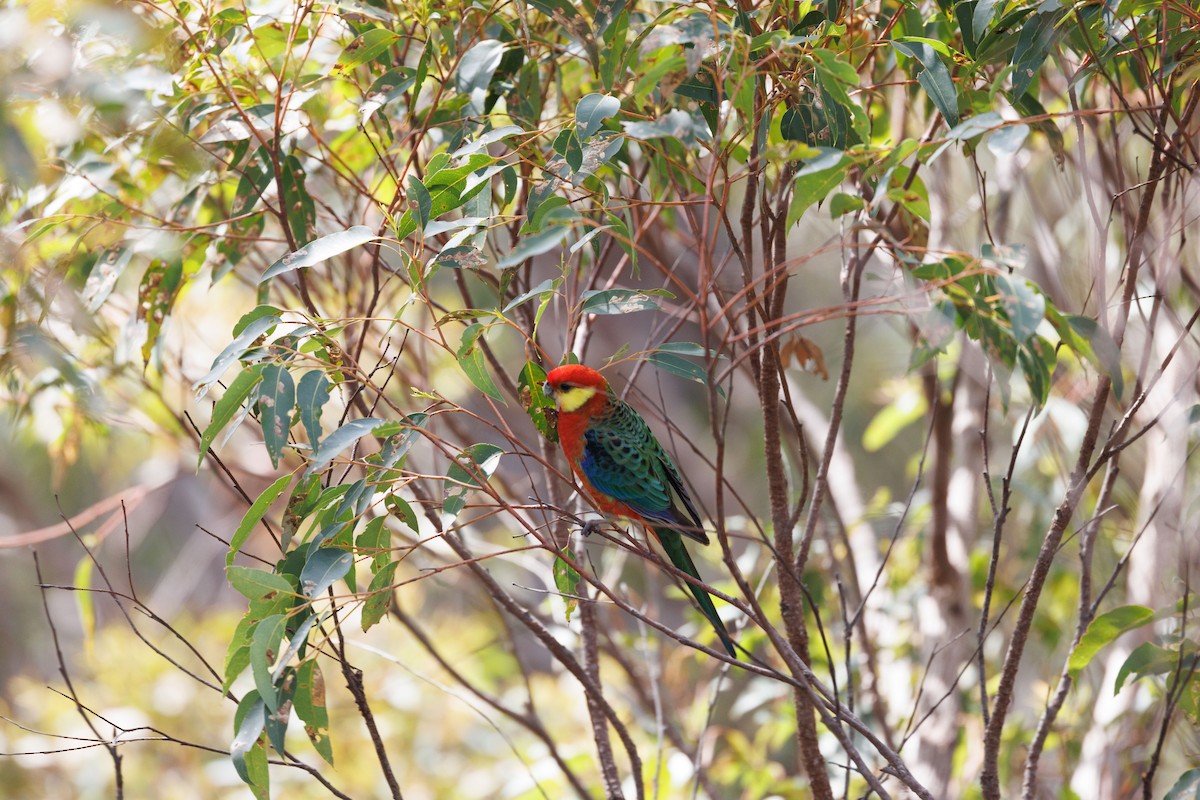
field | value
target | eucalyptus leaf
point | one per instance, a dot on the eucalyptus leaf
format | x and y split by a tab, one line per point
320	250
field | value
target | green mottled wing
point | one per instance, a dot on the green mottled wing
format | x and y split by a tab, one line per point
622	459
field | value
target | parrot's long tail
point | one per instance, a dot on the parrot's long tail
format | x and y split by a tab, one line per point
672	545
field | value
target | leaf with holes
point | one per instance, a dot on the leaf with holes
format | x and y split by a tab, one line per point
622	301
276	399
309	702
591	111
324	567
379	596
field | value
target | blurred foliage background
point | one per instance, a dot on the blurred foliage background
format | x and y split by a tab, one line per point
906	287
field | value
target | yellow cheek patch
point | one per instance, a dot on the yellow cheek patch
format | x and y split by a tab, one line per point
572	399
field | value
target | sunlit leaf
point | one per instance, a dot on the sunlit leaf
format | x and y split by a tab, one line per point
566	580
906	409
103	277
1103	630
419	200
320	250
257	511
230	403
475	71
365	48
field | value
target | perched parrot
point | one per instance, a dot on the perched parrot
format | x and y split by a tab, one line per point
625	471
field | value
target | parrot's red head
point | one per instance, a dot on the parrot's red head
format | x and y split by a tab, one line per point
573	385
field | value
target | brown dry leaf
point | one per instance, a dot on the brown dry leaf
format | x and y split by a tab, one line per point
807	355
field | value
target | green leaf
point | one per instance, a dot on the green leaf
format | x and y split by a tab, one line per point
1103	630
420	201
472	361
677	365
1147	658
156	296
311	396
248	755
276	399
544	288
475	71
237	655
103	276
399	508
309	702
1006	142
591	111
384	90
1033	45
538	243
235	350
277	721
1186	788
257	511
297	202
264	649
621	301
398	438
320	250
815	180
325	565
461	257
566	580
379	596
843	203
1105	353
257	584
229	404
364	49
477	461
339	440
1024	306
897	415
934	78
375	541
567	145
545	210
675	124
537	405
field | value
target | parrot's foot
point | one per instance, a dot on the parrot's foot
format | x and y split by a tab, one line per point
590	526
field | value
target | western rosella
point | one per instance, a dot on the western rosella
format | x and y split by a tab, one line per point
626	472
